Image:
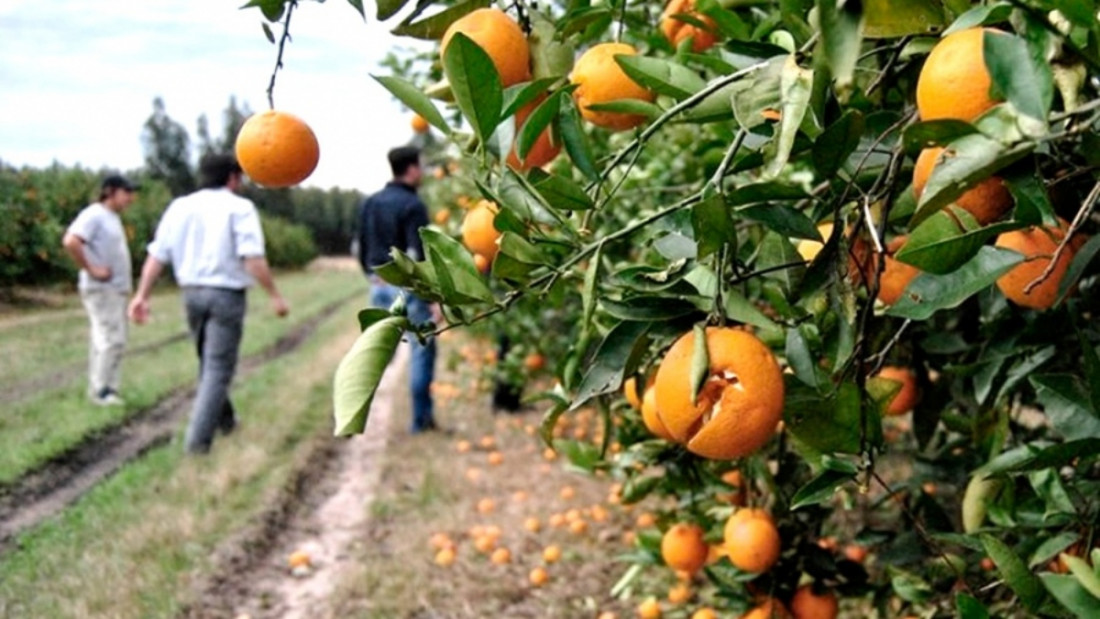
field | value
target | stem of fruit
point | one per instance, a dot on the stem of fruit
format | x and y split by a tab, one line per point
1078	220
279	58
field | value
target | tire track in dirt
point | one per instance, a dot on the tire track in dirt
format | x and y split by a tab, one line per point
73	371
323	510
47	490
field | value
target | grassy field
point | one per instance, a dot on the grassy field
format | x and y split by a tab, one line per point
131	547
52	419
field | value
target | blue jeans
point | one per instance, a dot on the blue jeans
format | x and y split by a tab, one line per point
215	317
422	363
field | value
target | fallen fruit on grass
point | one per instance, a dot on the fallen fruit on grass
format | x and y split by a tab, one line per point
298	558
679	593
551	554
532	524
445	557
501	556
495	458
538	577
486	506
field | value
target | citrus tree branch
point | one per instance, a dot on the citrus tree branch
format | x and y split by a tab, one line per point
279	58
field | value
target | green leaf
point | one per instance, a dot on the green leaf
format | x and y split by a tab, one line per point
432	28
517	258
800	359
1067	404
1051	548
360	372
267	32
840	39
819	489
589	298
1081	259
740	309
581	17
980	16
970	608
475	83
537	122
1071	595
371	315
1084	574
1033	205
663	77
973	158
947	240
637	488
520	95
929	293
768	191
648	308
931	133
776	251
386	8
1019	77
455	270
1014	572
909	586
839	140
795	84
417	101
759	93
575	140
782	219
550	420
629	106
606	368
1080	13
272	9
827	424
713	227
700	360
560	192
888	19
1048	487
418	277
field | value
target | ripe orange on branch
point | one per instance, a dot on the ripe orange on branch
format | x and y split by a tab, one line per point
954	82
752	540
542	152
683	547
277	149
807	605
419	124
738	407
1038	245
908	396
677	30
599	79
478	232
986	201
500	37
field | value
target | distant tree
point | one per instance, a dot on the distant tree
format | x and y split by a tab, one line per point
168	151
232	119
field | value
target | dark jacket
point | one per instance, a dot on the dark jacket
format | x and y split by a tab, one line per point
391	218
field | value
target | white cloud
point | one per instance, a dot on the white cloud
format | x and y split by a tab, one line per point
79	79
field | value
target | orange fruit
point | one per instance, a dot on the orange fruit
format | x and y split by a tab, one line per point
896	275
735	479
487	442
501	556
740	404
651	419
542	152
1037	244
519	496
298	558
277	149
649	609
630	392
752	540
532	524
486	506
495	458
500	37
445	557
987	564
704	613
478	232
481	263
677	30
578	527
549	454
807	605
440	541
420	124
557	520
954	82
442	216
855	552
645	520
679	593
909	395
551	554
567	493
485	543
607	614
534	362
769	609
986	201
683	547
538	577
599	79
715	552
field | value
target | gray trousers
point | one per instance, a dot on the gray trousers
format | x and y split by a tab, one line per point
215	317
107	317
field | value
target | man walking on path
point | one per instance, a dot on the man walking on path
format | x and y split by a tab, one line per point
97	242
214	242
392	218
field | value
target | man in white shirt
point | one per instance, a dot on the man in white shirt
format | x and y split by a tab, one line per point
97	242
214	242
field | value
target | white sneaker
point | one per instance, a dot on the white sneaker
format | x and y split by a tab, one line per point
108	398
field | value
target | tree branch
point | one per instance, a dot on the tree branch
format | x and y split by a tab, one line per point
279	59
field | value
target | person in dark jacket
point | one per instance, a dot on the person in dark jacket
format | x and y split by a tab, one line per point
392	218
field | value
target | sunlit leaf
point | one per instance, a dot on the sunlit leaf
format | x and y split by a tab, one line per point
360	372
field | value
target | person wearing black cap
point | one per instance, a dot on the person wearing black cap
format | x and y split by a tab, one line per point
96	240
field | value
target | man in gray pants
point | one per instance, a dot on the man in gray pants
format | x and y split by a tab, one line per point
214	242
96	240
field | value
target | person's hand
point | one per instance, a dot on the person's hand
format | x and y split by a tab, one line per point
99	273
138	310
279	306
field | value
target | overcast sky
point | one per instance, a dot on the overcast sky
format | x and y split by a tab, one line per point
78	78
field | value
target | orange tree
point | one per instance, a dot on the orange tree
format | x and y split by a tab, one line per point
680	240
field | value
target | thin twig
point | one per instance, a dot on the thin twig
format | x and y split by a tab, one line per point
898	47
1078	221
880	356
727	161
279	59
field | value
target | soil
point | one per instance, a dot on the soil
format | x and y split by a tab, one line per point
62	480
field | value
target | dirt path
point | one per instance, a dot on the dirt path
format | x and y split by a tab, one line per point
64	479
323	513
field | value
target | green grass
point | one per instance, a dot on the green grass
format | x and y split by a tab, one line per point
53	420
131	547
